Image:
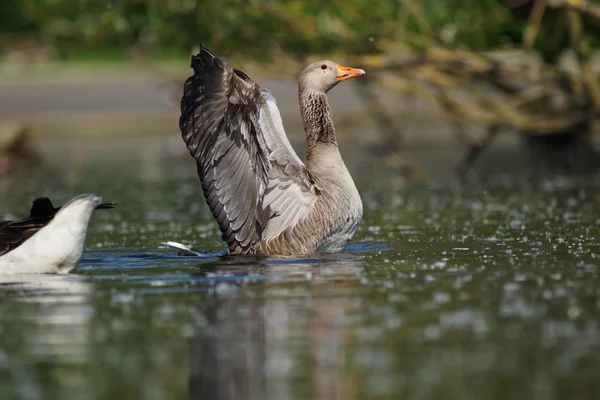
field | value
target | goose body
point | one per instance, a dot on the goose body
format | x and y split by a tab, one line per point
264	198
49	240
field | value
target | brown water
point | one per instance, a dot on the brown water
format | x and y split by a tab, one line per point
486	288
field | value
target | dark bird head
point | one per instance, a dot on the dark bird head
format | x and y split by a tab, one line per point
42	208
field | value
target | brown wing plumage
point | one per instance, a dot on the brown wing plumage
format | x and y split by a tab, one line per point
15	233
240	154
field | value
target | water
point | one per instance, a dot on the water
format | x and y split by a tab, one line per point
487	288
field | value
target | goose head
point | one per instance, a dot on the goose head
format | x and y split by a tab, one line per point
321	76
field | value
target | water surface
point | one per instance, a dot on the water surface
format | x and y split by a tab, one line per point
485	288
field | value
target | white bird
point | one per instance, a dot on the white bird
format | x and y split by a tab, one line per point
50	240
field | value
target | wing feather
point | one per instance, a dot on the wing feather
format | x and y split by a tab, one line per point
15	233
249	171
241	204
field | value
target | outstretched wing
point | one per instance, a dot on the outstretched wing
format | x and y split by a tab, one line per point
253	181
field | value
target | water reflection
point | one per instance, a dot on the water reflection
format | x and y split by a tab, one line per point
50	321
262	321
248	346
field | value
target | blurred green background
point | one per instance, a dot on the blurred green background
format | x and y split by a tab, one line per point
519	66
73	29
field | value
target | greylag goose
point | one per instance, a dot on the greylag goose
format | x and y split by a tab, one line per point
264	198
50	239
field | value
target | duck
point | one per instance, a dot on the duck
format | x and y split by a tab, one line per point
266	201
51	239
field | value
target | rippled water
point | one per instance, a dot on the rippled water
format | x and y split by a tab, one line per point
487	288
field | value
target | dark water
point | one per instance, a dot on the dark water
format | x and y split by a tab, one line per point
488	288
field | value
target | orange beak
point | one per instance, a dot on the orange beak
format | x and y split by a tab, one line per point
344	73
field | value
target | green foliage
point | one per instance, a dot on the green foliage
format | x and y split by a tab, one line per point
256	27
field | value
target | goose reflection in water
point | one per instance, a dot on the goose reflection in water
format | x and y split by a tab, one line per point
248	345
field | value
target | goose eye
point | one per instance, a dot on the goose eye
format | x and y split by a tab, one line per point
323	66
